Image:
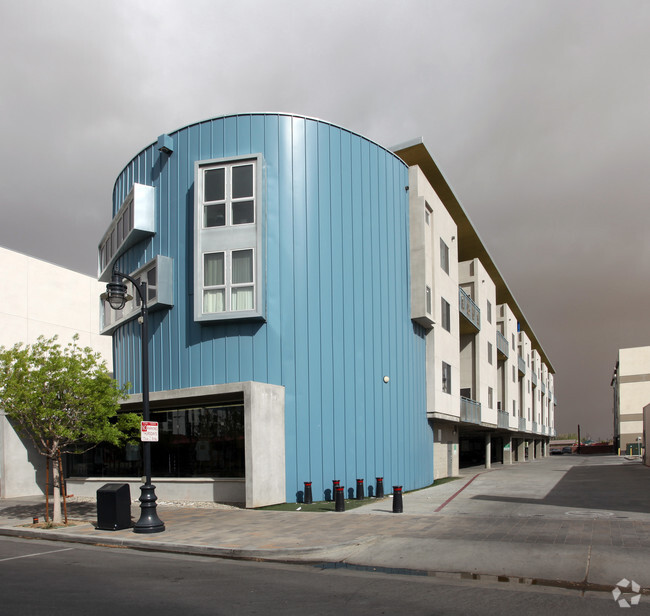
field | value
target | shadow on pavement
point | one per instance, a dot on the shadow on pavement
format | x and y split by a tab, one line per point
616	487
30	510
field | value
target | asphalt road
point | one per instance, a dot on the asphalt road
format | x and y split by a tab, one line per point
55	578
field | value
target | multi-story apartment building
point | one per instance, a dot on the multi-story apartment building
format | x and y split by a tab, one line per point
322	309
490	393
631	389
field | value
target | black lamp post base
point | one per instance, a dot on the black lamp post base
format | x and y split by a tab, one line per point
149	521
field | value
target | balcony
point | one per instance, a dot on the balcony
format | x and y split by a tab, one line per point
521	364
533	378
470	410
503	348
543	388
535	427
522	424
503	419
470	311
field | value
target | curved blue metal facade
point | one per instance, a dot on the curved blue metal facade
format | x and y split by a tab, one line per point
337	297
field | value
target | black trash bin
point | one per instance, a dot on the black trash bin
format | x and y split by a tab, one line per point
114	506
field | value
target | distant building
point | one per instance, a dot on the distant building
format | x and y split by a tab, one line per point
321	309
631	390
40	299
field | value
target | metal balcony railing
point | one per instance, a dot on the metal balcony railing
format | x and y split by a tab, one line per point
470	410
469	309
503	419
502	345
533	378
522	424
521	364
543	388
534	426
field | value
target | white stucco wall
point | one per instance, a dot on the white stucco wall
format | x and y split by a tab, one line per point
484	293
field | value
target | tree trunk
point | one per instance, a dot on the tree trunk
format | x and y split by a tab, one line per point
56	484
65	496
47	490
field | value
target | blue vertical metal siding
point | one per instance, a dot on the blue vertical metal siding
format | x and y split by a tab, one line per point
337	297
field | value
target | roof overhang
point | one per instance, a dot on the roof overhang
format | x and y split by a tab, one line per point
470	245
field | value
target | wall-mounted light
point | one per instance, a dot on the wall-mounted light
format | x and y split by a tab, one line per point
165	144
386	379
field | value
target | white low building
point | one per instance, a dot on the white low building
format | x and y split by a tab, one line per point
41	299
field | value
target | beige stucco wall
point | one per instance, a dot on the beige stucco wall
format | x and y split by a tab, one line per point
484	371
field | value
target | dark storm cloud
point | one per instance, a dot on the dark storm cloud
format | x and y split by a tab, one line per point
536	112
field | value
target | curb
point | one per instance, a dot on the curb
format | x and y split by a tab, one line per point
287	554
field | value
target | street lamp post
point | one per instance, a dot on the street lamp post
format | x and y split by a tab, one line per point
149	521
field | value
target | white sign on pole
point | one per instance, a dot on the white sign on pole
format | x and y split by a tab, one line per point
149	431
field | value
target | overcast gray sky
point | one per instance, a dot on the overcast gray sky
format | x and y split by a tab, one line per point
536	111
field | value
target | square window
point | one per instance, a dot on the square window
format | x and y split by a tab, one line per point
213	300
215	215
243	212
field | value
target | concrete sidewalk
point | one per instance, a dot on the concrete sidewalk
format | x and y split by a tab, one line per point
543	522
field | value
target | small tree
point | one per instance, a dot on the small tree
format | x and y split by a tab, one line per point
64	400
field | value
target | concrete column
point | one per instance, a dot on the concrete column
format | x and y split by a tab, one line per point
507	450
488	450
521	450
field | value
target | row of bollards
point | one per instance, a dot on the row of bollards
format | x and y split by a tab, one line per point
339	494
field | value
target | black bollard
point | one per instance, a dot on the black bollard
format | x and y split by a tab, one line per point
339	498
360	491
335	484
308	498
380	487
398	506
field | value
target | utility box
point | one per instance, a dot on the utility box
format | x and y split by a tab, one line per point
114	506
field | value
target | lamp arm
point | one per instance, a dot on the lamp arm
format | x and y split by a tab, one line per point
136	286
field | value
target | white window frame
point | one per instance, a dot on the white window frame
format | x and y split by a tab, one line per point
229	238
228	286
228	201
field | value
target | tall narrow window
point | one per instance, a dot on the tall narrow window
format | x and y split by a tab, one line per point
489	312
445	316
428	299
228	236
489	353
214	282
446	378
444	256
242	280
